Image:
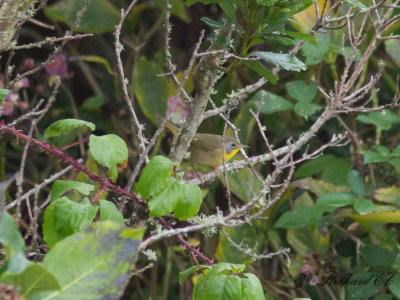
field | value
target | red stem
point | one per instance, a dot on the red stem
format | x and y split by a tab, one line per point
67	159
86	139
189	246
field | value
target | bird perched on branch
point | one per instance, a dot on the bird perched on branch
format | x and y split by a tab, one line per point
206	149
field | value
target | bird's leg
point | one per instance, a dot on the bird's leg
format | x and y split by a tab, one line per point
199	175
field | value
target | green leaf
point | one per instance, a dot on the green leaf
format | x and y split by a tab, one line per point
319	187
243	183
109	150
394	285
155	176
301	91
178	9
301	36
373	157
383	120
268	103
356	183
334	170
93	103
65	126
305	109
382	150
262	70
151	91
361	291
100	261
213	24
395	152
185	274
315	51
363	206
267	2
377	257
329	202
289	62
4	93
64	217
71	217
109	212
60	187
299	218
388	195
184	199
34	279
189	203
251	235
12	242
356	4
223	282
395	162
393	49
229	9
206	2
66	11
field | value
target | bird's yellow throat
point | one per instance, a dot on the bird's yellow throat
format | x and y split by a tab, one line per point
232	154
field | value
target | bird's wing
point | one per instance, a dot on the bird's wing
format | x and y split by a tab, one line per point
206	142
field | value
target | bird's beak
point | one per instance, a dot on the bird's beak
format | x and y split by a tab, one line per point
244	146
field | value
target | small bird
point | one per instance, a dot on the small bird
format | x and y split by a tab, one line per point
206	149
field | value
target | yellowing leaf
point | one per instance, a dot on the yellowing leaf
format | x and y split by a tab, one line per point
384	217
306	19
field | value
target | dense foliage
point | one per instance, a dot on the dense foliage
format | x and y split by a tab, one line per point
99	201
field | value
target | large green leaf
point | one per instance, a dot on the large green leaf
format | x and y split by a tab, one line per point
301	91
304	94
330	202
11	240
299	218
60	187
315	51
243	183
64	217
262	70
356	4
67	10
182	198
393	49
65	126
109	150
33	280
363	206
364	290
289	62
268	103
306	109
227	281
94	263
155	176
109	212
333	169
249	236
377	257
356	183
383	120
4	93
151	91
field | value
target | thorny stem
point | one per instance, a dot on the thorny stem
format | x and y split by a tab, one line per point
76	165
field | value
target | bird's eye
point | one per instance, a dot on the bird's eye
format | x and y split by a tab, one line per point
233	145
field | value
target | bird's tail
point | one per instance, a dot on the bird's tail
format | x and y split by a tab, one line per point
171	127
